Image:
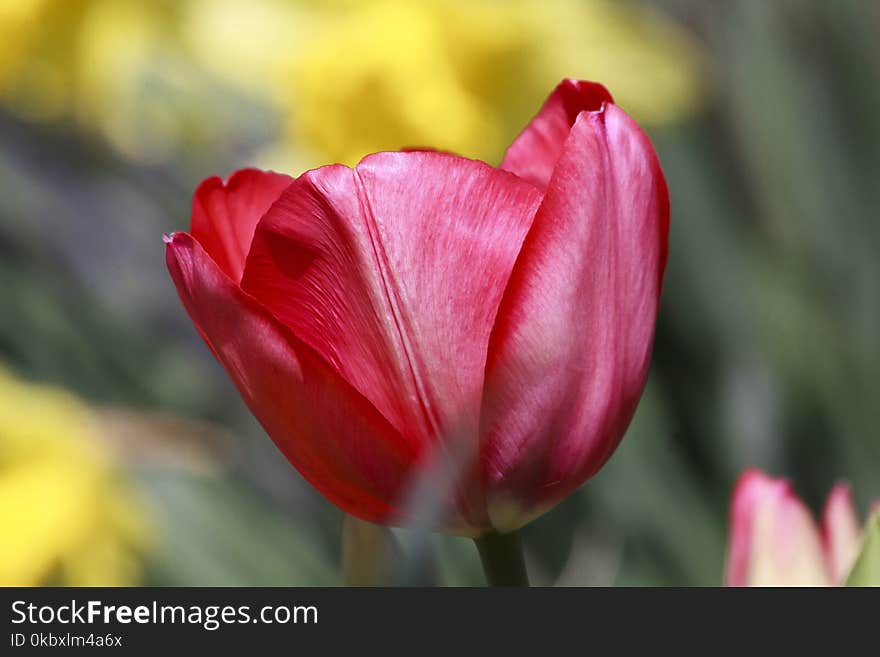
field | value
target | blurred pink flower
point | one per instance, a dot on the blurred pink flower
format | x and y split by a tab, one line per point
775	541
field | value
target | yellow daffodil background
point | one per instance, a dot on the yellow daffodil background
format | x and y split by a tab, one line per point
340	79
67	515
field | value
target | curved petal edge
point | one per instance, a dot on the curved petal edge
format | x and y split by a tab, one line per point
534	153
570	350
325	428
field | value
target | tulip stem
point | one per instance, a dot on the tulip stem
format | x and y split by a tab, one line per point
502	558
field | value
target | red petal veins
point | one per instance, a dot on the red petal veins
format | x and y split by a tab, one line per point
393	272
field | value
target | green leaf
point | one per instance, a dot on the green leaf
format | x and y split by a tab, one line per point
866	571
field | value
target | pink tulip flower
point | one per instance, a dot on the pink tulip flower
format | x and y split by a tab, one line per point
774	540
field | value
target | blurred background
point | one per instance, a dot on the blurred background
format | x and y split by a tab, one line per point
127	457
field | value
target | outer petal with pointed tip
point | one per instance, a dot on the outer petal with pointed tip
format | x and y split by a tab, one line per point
841	532
533	154
570	350
324	427
774	540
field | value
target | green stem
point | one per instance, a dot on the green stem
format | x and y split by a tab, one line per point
502	558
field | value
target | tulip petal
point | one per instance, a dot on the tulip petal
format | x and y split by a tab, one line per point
224	214
533	154
325	428
841	532
570	350
393	272
774	540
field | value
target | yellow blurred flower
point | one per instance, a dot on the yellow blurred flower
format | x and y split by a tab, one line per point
129	76
115	68
39	38
460	75
343	77
17	20
66	515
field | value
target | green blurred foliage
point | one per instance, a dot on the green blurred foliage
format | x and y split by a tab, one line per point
766	353
866	570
